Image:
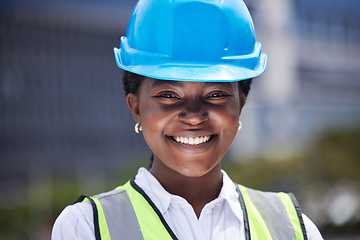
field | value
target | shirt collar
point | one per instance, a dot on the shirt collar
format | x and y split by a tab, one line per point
162	199
151	186
230	195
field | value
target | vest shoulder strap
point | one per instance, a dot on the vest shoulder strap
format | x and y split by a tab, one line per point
95	214
111	221
151	221
269	215
126	213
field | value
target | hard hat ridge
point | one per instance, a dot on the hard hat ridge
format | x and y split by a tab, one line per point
191	40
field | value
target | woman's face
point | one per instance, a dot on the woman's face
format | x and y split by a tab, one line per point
189	126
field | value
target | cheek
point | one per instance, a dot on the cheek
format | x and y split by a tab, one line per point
227	117
228	123
154	119
231	126
233	115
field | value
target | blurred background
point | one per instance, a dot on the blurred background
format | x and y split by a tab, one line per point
65	128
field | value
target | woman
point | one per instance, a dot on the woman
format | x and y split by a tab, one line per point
188	69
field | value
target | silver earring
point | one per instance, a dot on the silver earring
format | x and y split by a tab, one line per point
138	128
240	126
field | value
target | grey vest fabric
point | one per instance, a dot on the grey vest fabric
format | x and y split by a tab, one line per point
120	215
274	214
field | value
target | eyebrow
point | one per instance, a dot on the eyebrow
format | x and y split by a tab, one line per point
161	82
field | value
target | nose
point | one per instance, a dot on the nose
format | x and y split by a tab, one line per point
193	113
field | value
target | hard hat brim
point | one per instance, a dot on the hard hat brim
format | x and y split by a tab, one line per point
194	72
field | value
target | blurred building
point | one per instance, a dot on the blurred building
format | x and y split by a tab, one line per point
62	106
312	80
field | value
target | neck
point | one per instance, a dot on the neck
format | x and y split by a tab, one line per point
198	191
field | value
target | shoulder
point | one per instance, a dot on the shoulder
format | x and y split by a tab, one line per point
312	231
269	203
77	221
74	222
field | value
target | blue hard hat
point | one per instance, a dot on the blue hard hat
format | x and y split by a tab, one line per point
191	40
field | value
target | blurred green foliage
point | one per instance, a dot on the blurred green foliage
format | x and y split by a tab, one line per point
14	223
333	156
265	174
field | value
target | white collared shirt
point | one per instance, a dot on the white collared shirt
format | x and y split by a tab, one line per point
220	219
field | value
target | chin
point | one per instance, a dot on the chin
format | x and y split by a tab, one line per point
194	171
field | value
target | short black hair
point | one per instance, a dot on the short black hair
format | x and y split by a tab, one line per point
245	85
131	82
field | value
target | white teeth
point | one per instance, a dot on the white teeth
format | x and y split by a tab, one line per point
192	141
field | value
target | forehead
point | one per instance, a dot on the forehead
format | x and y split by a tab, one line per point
153	83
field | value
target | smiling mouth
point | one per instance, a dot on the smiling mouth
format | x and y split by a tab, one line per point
192	140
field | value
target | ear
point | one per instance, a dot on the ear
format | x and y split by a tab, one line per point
133	104
242	102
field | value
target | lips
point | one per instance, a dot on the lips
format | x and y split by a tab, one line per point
192	140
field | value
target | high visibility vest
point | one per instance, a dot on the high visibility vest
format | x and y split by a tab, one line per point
128	213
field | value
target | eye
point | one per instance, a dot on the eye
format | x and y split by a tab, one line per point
167	95
217	94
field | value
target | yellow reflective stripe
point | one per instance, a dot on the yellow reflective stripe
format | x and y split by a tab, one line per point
258	228
291	211
104	231
149	222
